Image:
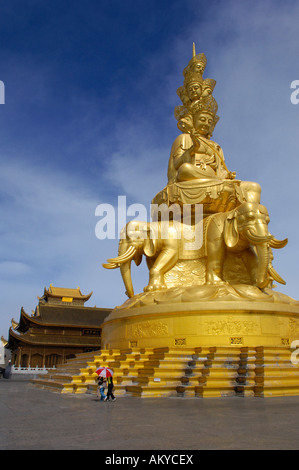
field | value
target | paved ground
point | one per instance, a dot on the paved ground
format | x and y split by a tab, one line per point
31	418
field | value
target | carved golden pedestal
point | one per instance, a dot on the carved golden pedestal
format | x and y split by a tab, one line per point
203	316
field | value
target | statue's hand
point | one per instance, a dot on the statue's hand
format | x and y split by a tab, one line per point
196	142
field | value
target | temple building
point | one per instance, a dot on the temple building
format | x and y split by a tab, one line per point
60	327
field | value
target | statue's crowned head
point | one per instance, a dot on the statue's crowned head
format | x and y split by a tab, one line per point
196	96
194	89
197	64
208	87
204	122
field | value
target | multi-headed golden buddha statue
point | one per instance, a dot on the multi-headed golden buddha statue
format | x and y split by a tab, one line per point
237	246
220	291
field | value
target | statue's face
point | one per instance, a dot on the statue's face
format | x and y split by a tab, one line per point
198	67
203	123
207	91
194	91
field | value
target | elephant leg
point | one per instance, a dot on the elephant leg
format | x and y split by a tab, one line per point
250	260
163	263
150	262
215	260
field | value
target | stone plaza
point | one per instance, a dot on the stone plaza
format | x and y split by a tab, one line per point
35	419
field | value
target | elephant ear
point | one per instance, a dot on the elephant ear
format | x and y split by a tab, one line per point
230	232
138	257
150	242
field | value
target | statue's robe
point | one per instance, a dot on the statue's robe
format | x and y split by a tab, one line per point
200	178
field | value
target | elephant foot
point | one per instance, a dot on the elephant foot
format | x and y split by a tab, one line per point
216	281
221	283
155	285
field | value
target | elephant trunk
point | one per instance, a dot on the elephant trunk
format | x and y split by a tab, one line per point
125	270
263	264
126	253
123	261
260	238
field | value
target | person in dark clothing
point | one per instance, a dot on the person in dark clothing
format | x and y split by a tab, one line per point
101	388
110	389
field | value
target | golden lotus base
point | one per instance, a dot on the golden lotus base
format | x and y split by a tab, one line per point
226	318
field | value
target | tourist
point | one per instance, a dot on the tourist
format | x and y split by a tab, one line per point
101	388
110	389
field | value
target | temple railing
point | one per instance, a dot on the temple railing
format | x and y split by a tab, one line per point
30	370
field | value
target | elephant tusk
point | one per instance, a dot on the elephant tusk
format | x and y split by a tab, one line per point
129	251
274	243
110	266
127	256
264	284
276	276
256	239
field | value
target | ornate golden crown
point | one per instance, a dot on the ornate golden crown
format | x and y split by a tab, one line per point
209	83
208	105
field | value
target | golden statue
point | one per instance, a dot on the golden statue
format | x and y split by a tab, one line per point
234	262
197	174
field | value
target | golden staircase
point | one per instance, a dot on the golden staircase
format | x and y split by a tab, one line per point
183	372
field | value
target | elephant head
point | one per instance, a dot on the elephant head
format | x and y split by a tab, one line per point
130	248
158	241
248	225
136	239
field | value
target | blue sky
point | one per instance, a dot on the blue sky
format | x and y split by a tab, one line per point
90	91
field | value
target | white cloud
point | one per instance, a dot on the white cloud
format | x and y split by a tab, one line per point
14	268
48	236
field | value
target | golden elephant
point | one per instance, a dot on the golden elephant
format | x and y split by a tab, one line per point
160	242
243	231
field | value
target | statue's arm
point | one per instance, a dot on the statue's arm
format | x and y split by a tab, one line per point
182	151
222	171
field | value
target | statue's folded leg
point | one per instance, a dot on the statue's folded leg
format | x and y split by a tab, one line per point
252	191
187	172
